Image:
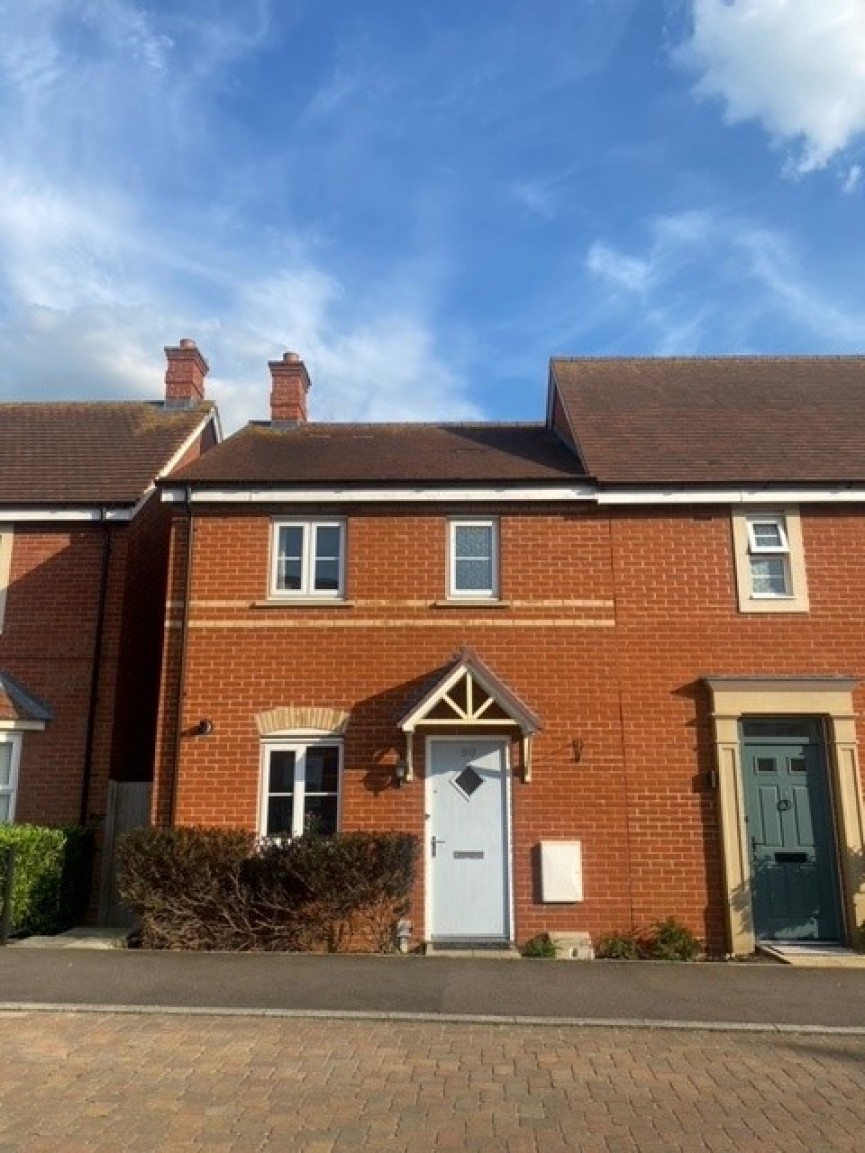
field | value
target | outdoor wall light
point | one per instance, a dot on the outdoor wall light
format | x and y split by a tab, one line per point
400	773
577	748
204	727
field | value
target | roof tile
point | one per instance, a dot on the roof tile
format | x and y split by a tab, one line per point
717	420
88	453
385	454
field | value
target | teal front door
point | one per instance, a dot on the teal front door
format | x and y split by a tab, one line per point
794	873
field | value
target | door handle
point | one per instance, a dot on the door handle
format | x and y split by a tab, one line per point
435	841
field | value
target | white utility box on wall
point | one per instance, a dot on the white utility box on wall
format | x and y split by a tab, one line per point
561	871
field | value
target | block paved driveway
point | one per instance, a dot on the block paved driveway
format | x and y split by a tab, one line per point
119	1083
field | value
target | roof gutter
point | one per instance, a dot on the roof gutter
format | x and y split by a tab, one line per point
763	495
401	494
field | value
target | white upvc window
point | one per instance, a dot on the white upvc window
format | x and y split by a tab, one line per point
308	559
300	787
10	756
769	555
769	559
473	558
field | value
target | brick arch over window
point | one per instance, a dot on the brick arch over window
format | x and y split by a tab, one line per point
301	719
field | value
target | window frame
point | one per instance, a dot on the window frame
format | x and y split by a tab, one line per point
780	551
789	549
11	790
298	744
486	594
307	590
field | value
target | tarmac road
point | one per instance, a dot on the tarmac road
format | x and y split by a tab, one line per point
748	993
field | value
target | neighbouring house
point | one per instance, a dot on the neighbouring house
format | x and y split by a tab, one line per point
83	561
608	667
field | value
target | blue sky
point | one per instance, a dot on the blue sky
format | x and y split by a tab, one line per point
427	201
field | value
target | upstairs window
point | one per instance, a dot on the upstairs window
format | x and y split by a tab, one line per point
308	559
769	556
770	561
473	559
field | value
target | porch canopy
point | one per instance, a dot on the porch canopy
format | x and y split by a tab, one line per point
20	709
470	695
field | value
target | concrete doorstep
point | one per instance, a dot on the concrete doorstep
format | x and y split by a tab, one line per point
814	956
83	937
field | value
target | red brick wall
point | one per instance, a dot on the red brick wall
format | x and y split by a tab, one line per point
631	692
677	621
375	659
47	644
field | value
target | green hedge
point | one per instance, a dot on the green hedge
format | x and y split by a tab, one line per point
51	884
201	888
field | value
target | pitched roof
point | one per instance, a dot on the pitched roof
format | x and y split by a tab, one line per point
88	453
716	420
385	453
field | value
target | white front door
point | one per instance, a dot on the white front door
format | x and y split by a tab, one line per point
467	851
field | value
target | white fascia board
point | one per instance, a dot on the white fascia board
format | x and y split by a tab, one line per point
211	418
59	515
379	495
734	496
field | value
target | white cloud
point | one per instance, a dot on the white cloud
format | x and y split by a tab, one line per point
618	269
795	66
853	179
540	197
106	254
59	249
704	271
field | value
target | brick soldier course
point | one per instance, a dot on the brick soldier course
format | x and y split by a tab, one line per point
118	1084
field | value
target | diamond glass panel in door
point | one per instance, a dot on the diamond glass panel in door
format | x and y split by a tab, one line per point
468	781
280	792
289	565
321	789
327	560
473	558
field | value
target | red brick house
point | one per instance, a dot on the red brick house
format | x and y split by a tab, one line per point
607	667
83	553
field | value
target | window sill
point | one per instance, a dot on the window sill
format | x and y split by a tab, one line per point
471	603
779	606
303	603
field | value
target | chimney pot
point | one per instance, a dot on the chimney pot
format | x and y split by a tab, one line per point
184	375
290	384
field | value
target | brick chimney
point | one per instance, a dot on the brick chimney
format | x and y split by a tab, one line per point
184	376
290	386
